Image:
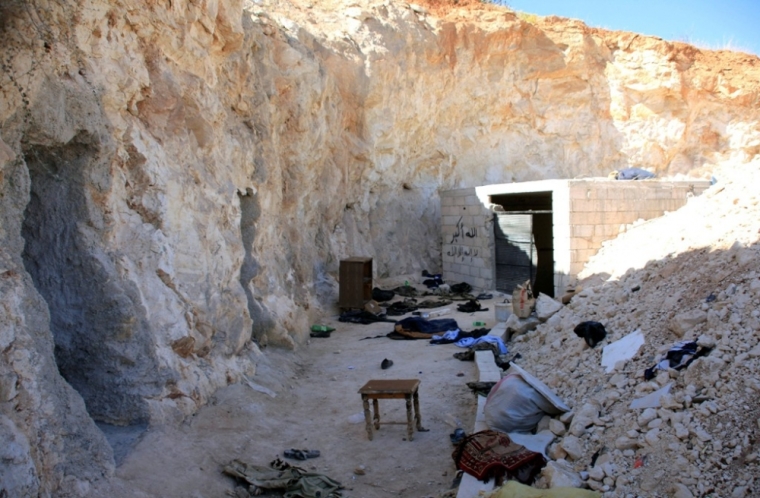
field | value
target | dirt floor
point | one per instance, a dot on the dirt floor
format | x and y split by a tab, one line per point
316	406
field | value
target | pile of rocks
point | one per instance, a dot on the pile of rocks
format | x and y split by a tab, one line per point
690	275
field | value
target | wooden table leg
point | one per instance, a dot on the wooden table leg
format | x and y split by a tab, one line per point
409	426
367	419
417	415
377	413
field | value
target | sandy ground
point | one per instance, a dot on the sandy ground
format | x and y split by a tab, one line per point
316	406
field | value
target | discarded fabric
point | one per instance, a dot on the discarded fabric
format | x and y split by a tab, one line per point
433	281
592	332
469	342
296	482
434	303
488	454
678	357
622	350
362	316
401	307
406	291
446	338
381	295
461	288
470	306
633	174
481	388
415	327
514	489
417	324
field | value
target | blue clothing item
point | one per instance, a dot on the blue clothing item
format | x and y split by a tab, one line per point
634	174
419	324
469	341
448	336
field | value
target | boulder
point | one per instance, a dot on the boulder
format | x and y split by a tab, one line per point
686	321
561	474
546	307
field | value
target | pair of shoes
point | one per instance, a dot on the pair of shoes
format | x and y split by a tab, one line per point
386	364
301	454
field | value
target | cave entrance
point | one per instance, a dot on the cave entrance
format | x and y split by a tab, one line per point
51	253
524	242
92	320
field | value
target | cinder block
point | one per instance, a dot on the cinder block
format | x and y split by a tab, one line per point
581	218
579	243
461	192
449	220
576	267
466	221
596	242
582	255
664	193
580	192
607	231
583	230
479	220
486	273
478	263
615	194
582	205
473	200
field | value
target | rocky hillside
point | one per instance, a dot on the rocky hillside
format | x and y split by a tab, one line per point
178	182
691	275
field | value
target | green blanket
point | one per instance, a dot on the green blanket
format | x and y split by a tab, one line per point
296	482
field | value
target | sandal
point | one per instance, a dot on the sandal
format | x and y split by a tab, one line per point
300	454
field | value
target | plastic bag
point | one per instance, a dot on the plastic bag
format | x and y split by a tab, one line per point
519	401
513	405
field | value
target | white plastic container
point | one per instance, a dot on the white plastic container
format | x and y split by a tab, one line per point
502	311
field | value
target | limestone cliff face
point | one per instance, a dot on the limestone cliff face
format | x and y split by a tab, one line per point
179	181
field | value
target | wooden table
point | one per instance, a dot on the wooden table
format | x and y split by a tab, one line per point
392	389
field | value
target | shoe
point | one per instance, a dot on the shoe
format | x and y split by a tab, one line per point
457	436
301	454
386	364
469	307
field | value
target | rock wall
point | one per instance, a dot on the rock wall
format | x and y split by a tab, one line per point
180	180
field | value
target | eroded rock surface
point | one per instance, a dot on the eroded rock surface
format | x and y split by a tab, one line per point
179	183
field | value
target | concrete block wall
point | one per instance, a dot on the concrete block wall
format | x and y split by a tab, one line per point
585	213
600	209
468	245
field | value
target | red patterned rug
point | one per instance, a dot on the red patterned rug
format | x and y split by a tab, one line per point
489	454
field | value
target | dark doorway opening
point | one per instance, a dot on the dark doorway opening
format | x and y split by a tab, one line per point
524	239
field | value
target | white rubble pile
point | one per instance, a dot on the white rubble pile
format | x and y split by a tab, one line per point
691	275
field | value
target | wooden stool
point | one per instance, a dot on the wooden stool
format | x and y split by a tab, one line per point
392	389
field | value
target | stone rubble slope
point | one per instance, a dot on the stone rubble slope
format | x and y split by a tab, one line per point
703	439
